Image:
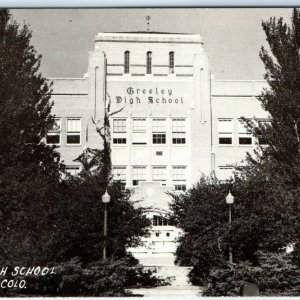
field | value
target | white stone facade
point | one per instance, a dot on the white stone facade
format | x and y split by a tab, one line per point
174	123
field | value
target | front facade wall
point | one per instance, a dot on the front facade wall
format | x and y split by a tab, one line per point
167	116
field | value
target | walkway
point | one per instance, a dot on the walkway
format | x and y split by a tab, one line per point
167	269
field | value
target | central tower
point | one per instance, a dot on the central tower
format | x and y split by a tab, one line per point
157	88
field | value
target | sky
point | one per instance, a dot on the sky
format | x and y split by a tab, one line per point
232	36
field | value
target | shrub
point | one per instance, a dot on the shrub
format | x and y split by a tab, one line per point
100	278
275	275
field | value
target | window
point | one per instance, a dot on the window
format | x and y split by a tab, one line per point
171	62
180	187
159	221
119	125
139	132
262	138
178	131
159	131
244	136
138	174
179	173
225	129
72	170
149	62
224	173
167	234
126	62
119	173
53	135
157	234
119	131
159	153
73	131
159	138
159	173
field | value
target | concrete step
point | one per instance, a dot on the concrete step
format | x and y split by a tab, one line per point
164	264
156	259
169	291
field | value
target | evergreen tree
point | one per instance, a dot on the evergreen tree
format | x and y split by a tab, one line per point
29	169
281	101
25	113
266	213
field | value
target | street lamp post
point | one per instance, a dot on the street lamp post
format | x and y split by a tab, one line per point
230	201
105	200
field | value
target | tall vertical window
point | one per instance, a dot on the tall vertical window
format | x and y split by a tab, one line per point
119	173
225	128
179	178
264	124
73	130
53	135
119	131
159	131
244	136
159	173
126	62
149	62
171	62
139	132
178	131
138	174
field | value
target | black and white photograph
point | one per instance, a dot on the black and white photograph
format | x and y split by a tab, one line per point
149	152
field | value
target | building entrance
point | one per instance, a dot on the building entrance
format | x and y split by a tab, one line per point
163	236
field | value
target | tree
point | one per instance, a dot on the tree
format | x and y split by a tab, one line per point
29	169
25	103
281	100
46	219
267	189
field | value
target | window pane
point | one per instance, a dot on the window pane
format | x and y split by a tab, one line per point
180	187
178	140
178	125
53	139
119	173
53	135
56	125
171	62
73	170
159	174
225	126
159	125
139	132
119	140
225	141
126	62
159	138
73	139
179	173
241	127
119	125
224	173
138	174
245	140
73	125
149	62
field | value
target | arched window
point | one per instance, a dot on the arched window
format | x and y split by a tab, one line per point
126	62
171	62
149	62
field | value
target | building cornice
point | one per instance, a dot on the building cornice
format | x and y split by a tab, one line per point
149	38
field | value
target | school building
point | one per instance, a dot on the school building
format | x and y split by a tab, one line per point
171	123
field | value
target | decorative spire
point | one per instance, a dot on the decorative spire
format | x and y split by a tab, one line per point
148	23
